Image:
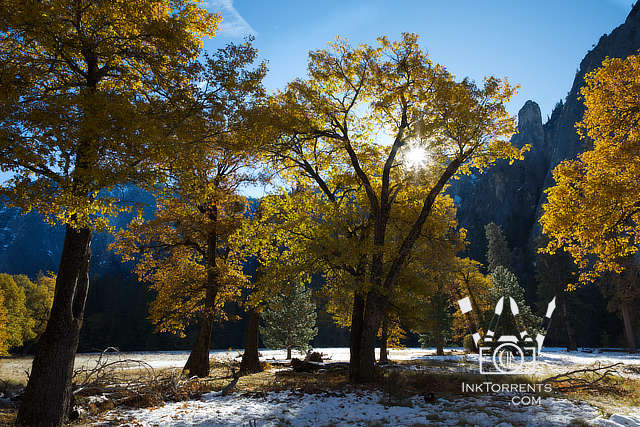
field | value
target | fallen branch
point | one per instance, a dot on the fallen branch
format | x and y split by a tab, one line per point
597	378
229	387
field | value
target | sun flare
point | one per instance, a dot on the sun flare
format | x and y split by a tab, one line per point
415	157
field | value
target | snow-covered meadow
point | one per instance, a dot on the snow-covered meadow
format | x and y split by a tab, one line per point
359	407
355	406
365	409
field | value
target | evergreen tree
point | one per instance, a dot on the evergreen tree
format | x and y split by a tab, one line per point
505	284
498	253
290	321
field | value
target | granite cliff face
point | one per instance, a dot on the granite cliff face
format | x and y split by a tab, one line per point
513	195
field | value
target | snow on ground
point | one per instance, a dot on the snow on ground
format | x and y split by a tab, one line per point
357	408
365	408
551	360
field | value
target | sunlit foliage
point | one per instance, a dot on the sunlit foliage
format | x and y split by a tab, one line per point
593	210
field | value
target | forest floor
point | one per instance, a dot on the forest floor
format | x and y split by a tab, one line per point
416	388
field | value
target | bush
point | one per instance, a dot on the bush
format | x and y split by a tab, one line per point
469	345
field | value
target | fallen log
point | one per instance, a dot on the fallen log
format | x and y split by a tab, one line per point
305	366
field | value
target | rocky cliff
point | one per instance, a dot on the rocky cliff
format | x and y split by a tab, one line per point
513	195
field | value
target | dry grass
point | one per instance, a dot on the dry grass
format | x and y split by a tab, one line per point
625	393
395	382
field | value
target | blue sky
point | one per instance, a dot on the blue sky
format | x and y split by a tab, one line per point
537	44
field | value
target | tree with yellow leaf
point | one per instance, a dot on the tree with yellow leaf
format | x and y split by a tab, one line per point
185	252
335	124
4	334
93	96
593	210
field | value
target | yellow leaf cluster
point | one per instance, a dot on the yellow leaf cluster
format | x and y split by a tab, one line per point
593	210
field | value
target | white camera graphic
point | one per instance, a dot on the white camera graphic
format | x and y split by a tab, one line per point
507	354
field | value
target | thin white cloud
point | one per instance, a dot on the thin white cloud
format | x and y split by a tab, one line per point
233	24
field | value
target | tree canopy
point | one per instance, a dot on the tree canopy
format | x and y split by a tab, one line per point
593	210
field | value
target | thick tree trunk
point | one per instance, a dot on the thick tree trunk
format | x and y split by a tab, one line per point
384	337
250	359
564	311
289	353
357	315
375	304
48	397
198	362
628	327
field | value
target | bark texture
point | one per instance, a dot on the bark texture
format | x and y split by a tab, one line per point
564	312
48	396
628	326
250	359
357	314
198	362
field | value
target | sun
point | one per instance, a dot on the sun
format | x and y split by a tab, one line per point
415	157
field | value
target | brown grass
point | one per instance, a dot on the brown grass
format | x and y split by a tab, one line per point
395	383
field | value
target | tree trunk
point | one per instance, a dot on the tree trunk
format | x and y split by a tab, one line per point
357	315
289	353
198	362
475	312
384	337
437	334
250	359
375	305
48	396
628	327
571	335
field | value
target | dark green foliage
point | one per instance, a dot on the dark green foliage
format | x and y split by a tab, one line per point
498	253
290	320
505	284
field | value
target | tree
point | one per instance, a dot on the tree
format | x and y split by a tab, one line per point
290	321
498	253
331	125
19	322
39	297
26	306
593	210
469	281
186	255
625	294
553	274
91	99
505	284
4	333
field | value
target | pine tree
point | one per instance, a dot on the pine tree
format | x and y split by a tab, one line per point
505	284
498	252
290	321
